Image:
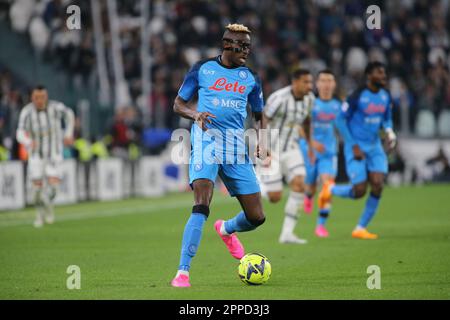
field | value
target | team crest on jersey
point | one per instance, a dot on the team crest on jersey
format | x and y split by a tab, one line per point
243	74
198	167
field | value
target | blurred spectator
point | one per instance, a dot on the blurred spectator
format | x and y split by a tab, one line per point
440	166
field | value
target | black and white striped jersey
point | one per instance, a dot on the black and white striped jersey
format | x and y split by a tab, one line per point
46	129
286	114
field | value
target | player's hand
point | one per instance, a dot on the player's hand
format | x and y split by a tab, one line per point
201	118
33	145
68	141
319	147
264	155
357	153
391	139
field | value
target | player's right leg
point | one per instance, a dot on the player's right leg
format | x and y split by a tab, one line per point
293	169
292	208
203	191
202	175
357	173
310	179
36	173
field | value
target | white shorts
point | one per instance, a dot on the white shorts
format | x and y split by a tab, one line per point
289	165
39	169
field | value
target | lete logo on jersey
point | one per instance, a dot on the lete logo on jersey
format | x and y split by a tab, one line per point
222	84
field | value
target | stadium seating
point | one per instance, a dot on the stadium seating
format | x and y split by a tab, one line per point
444	124
425	124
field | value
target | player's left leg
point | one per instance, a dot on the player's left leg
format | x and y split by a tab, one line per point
327	170
48	199
324	212
53	181
241	182
378	168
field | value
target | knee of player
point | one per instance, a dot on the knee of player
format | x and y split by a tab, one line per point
274	197
377	189
297	184
359	191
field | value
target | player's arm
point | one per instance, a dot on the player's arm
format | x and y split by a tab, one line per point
262	120
306	132
23	129
186	92
182	108
347	109
69	122
388	127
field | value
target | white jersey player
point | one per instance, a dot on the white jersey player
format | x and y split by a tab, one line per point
287	111
40	130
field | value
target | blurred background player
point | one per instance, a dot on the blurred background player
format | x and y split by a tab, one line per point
224	86
323	116
287	110
368	110
40	131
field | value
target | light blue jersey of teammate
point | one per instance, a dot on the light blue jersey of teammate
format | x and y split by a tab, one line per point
359	123
324	115
225	93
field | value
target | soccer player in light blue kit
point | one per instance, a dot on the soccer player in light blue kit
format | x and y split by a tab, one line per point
224	86
368	110
323	117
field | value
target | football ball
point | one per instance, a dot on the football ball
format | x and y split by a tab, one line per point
254	269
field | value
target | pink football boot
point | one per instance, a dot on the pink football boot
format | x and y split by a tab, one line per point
181	281
308	205
321	231
232	242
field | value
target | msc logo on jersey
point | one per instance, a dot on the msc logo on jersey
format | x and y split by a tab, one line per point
243	74
227	103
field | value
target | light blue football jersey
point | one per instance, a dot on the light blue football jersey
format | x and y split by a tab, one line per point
224	92
324	115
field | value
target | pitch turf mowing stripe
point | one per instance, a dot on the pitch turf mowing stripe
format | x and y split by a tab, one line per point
119	208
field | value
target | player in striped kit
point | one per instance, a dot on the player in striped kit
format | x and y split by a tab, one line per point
287	112
40	131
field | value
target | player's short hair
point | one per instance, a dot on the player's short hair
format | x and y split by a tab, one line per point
372	66
39	87
326	71
238	28
300	72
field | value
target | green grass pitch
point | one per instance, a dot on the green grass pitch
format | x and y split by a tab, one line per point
130	249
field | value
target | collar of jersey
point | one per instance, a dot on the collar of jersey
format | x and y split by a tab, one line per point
219	61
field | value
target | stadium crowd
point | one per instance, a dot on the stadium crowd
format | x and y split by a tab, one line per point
414	42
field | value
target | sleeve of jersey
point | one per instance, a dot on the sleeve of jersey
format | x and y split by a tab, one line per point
22	135
69	121
255	97
387	121
272	105
342	124
190	83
